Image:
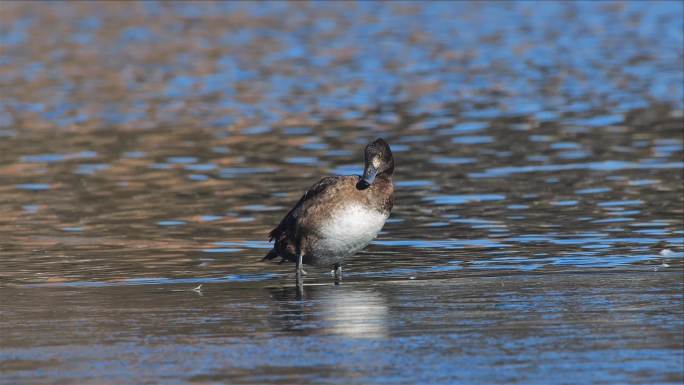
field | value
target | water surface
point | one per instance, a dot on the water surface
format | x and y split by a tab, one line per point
148	148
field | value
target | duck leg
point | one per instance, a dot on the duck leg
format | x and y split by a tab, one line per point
299	271
337	272
299	285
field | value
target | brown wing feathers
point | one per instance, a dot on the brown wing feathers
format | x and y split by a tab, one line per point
285	233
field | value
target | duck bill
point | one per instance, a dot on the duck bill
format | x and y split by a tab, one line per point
369	174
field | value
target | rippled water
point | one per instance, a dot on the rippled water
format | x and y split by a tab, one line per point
147	148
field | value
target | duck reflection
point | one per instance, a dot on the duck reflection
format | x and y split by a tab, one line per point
333	309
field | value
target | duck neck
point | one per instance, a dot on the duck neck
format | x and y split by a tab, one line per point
385	177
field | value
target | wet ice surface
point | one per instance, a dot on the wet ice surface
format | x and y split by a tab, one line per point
527	329
537	233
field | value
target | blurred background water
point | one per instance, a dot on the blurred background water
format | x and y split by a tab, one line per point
149	147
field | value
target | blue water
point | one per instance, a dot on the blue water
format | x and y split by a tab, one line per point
146	150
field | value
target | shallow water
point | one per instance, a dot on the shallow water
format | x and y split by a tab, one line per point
537	235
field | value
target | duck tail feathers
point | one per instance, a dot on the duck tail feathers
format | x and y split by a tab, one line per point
271	254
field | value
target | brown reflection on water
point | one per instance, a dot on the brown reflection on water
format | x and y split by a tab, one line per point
199	203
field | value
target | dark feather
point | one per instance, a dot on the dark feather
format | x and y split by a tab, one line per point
285	234
271	254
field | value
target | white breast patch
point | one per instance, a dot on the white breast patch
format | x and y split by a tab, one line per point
350	229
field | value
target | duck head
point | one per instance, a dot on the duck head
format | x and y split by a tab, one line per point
378	161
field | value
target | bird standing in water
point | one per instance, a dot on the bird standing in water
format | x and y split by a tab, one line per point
338	216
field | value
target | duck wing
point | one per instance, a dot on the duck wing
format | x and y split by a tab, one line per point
290	219
285	233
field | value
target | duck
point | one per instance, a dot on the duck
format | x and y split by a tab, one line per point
338	216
